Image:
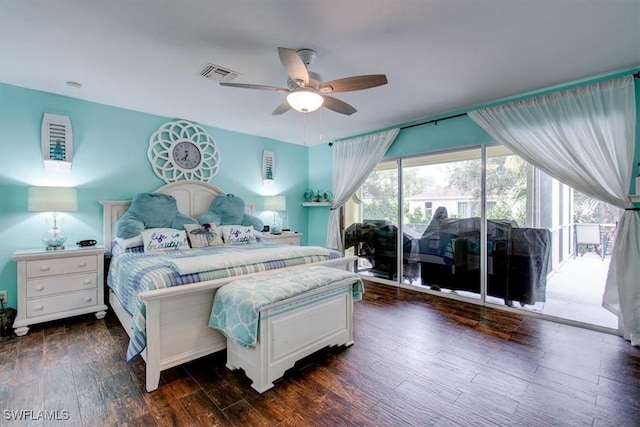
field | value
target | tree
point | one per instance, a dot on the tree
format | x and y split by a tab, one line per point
505	175
593	211
380	192
416	217
506	184
380	195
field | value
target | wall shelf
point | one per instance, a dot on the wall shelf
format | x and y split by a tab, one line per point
307	204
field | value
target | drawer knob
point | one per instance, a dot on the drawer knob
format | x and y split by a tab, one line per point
87	281
39	288
88	299
39	307
44	268
82	264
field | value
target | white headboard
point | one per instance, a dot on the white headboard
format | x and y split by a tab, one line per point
193	199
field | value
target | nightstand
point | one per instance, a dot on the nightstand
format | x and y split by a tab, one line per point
283	239
57	284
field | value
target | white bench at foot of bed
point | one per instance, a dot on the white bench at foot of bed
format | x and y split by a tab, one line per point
286	337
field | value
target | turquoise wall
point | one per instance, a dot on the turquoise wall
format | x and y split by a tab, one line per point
320	179
110	163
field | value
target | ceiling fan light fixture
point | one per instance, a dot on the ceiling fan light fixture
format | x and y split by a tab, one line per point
305	100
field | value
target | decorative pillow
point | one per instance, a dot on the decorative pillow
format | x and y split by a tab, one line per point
229	210
151	210
164	239
201	236
129	243
117	250
134	244
238	234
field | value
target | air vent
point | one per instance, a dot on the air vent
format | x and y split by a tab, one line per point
217	73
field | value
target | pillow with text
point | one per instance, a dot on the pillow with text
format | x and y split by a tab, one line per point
164	239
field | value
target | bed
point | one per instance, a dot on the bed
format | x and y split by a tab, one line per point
176	318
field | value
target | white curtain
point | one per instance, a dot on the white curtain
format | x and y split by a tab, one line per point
585	138
353	161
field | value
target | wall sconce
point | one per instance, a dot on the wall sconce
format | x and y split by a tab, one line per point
57	142
268	167
275	204
54	200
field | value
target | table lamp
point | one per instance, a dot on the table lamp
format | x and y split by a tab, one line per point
54	200
275	204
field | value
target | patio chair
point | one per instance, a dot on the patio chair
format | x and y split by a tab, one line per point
588	235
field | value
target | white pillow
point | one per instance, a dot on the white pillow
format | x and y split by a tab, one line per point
129	243
203	235
238	234
164	239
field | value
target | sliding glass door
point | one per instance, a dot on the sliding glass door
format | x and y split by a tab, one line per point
496	230
441	207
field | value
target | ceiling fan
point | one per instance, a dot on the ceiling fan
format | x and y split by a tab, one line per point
306	91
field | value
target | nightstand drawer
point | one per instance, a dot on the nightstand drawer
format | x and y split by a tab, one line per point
56	285
294	240
43	306
53	267
282	239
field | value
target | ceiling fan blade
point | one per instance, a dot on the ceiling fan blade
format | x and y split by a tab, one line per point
294	65
252	86
353	83
338	106
282	108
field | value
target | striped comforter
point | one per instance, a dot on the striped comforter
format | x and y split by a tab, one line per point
131	273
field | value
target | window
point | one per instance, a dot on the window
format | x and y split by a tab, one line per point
528	220
428	209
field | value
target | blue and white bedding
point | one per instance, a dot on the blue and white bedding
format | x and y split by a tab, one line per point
133	272
439	244
236	305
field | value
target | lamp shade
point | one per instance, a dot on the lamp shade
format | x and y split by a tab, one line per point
275	203
52	199
305	100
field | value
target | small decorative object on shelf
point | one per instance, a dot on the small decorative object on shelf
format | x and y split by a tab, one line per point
327	196
318	197
308	195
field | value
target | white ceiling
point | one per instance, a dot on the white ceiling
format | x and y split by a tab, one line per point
439	55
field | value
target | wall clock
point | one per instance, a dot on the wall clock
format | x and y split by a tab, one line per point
181	150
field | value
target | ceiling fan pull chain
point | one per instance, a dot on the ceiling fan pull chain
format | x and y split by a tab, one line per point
304	130
321	127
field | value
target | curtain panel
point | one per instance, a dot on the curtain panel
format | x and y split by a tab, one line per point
353	161
585	138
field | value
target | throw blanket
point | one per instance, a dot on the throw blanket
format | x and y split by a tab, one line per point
236	305
198	264
439	244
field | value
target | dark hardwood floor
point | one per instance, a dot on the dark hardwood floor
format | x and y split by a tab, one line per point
417	360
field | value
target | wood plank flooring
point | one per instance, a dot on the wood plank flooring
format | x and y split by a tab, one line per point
417	360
